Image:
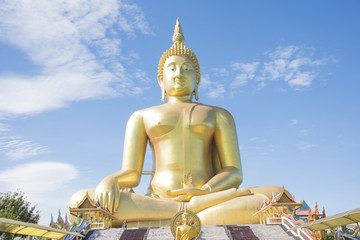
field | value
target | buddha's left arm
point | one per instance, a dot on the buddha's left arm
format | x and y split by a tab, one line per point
230	176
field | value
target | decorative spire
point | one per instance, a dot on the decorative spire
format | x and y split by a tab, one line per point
178	34
309	219
316	209
66	220
59	219
52	221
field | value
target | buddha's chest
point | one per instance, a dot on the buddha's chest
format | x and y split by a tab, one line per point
184	120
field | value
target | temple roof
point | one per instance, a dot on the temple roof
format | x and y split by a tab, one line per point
282	199
341	219
30	229
87	205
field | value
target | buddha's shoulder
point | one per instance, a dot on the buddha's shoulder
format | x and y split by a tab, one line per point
220	113
150	110
216	109
163	108
147	111
172	107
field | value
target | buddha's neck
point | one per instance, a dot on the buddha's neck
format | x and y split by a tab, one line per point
179	99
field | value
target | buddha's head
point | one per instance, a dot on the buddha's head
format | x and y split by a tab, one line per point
180	64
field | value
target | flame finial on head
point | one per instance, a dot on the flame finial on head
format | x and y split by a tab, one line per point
178	34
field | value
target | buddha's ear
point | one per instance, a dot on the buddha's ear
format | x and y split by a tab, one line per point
160	80
163	93
196	92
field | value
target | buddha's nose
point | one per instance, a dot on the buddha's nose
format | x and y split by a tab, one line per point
179	73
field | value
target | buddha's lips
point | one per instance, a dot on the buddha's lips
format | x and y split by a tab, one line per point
179	81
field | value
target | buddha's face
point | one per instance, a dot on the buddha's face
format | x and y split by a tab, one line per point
179	76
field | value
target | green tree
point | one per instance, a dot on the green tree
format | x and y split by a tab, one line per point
329	236
14	206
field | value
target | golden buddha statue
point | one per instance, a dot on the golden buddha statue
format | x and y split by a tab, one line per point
195	155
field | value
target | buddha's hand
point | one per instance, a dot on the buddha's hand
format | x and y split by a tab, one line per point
185	194
107	193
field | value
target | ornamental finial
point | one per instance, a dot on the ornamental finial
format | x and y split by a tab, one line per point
178	35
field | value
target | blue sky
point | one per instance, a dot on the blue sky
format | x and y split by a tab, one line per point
72	72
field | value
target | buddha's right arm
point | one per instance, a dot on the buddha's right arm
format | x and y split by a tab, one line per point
134	145
107	192
133	153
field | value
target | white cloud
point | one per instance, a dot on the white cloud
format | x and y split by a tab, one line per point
275	69
4	127
245	67
213	89
304	132
46	184
15	148
305	145
74	44
261	85
294	65
142	76
284	52
38	177
220	72
19	95
303	79
294	121
247	72
240	80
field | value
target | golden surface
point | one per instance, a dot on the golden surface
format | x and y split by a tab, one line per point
196	155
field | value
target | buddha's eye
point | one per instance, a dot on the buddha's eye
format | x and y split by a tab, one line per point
187	67
171	67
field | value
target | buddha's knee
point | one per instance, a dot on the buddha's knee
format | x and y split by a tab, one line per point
267	191
239	210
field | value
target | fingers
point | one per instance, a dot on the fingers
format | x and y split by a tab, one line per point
111	201
99	198
180	198
187	191
176	192
243	192
116	200
106	199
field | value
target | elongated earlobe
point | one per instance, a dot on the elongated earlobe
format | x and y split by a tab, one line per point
196	93
163	94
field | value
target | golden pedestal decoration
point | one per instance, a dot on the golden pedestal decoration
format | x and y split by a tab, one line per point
185	225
